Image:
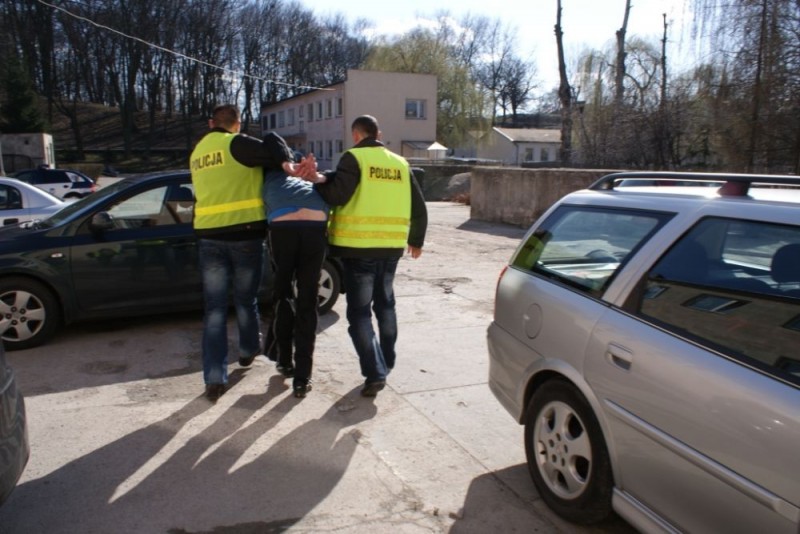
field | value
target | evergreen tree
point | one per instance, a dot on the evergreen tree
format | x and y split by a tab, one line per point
20	112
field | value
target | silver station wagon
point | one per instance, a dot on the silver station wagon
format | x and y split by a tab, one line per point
648	339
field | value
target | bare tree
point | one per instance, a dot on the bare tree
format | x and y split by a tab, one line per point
517	84
620	64
564	94
755	40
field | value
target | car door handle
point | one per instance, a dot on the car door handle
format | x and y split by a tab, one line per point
619	356
10	221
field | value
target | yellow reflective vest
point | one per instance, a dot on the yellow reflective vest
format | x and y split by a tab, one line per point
227	193
378	214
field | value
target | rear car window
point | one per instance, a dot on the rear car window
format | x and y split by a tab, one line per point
52	177
10	199
24	176
733	286
584	247
82	181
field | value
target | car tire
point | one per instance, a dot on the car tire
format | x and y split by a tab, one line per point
29	313
567	455
330	285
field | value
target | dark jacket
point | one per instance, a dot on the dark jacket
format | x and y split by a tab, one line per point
250	152
341	185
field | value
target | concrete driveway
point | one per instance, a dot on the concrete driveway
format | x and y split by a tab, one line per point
123	440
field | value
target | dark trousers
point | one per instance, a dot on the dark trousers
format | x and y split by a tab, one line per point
370	288
298	250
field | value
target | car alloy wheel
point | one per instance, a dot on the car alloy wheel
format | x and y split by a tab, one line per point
563	450
29	314
567	456
329	287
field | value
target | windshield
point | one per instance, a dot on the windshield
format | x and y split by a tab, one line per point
66	213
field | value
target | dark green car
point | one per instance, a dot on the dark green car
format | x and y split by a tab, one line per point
126	250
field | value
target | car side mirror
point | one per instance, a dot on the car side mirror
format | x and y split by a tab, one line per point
101	221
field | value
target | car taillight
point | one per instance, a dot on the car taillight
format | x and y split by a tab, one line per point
497	287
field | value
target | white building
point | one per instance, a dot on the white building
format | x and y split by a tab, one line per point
319	121
515	146
26	151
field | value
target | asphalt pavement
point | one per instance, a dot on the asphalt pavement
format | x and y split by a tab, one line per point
123	440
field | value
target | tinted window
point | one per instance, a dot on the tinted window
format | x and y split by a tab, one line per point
584	247
52	177
10	199
83	181
24	176
166	205
144	209
735	287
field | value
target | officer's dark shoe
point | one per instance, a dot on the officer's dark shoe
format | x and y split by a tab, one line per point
301	387
214	391
371	389
286	370
247	361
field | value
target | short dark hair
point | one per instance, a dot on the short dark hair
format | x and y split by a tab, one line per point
367	125
225	116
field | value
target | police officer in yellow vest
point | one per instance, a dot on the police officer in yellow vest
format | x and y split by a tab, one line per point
230	226
378	211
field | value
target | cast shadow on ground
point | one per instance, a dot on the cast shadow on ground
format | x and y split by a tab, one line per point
76	360
492	505
216	474
493	228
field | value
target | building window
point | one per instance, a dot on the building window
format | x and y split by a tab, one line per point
300	111
264	123
319	150
330	149
529	154
311	112
329	109
272	121
544	155
339	146
415	109
290	117
319	110
281	119
339	107
302	126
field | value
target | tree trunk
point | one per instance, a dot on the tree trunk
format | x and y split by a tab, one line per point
619	89
756	111
564	95
665	141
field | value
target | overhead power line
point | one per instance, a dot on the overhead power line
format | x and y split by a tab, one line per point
174	52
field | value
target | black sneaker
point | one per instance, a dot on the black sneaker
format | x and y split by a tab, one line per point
371	389
214	391
247	361
300	388
286	370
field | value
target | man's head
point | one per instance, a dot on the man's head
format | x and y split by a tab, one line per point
227	117
365	126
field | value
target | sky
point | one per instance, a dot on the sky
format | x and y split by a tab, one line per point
585	23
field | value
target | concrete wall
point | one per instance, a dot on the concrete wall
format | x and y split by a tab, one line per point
520	196
26	151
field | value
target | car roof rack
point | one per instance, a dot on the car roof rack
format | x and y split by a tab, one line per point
733	185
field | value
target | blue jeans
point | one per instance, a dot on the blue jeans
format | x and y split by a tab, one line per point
224	264
369	284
